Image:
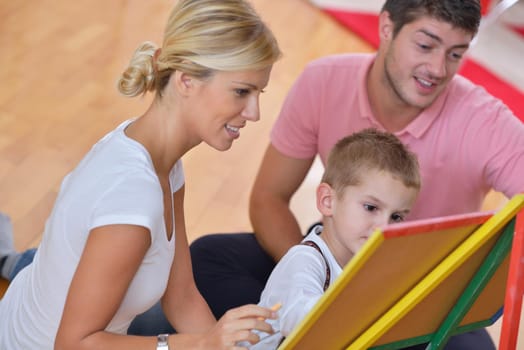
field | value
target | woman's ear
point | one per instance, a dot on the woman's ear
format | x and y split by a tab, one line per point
155	56
385	27
325	199
183	82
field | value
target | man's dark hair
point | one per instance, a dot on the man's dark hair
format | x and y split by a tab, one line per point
463	14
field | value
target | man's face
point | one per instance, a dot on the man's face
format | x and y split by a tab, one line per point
421	60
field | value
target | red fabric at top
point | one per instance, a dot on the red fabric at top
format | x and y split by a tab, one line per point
484	6
363	24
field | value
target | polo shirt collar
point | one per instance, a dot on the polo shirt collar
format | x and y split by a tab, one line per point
418	126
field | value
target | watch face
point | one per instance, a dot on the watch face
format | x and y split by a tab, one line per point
162	342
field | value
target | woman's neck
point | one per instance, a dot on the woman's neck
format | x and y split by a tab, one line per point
161	131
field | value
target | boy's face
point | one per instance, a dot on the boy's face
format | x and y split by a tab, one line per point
350	218
421	59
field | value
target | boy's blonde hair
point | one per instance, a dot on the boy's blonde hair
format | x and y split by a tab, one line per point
370	149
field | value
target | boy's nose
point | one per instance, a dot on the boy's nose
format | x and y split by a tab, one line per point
382	220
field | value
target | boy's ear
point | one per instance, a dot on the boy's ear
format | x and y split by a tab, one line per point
385	27
325	199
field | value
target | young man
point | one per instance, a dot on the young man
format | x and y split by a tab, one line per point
467	142
371	180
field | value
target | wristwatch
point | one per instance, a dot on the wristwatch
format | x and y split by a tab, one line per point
162	342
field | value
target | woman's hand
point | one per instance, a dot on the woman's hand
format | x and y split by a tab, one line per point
237	325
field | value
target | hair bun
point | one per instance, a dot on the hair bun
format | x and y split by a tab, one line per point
139	76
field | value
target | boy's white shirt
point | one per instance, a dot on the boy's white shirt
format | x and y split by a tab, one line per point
297	282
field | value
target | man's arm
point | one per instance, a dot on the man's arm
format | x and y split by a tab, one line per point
279	177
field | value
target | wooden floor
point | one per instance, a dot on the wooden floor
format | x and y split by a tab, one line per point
58	65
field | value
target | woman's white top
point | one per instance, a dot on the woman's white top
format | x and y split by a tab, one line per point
115	183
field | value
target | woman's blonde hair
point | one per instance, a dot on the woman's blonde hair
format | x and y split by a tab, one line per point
202	36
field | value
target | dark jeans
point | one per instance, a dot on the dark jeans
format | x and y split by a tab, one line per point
25	259
231	270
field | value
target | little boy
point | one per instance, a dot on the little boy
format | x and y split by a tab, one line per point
370	180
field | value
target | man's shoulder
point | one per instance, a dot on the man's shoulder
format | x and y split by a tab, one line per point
464	93
350	61
470	106
336	70
462	86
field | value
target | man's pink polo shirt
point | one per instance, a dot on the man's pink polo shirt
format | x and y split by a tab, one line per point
467	142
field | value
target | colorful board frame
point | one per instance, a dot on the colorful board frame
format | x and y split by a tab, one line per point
421	281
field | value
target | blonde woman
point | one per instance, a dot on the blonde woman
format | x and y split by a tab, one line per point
115	242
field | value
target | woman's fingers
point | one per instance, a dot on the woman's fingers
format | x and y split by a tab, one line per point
247	335
234	326
237	324
252	310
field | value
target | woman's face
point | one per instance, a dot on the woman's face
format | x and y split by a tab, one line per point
223	103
